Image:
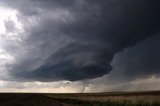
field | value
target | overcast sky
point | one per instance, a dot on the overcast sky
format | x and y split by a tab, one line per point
79	45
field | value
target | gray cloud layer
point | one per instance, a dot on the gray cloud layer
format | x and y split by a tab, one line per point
140	61
77	39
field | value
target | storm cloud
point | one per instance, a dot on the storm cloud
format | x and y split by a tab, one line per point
140	61
75	39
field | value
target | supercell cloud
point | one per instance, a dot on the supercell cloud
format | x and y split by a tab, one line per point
55	40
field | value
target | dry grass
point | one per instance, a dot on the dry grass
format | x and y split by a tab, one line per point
108	100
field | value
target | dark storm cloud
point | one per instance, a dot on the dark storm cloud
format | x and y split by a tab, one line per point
136	68
87	33
140	61
74	62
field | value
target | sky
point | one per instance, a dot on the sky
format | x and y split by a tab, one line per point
69	46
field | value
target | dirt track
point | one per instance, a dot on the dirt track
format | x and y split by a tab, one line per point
27	100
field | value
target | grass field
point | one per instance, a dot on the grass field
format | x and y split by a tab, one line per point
151	98
110	99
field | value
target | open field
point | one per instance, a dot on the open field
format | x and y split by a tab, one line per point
151	98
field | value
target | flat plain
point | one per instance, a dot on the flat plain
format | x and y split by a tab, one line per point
147	98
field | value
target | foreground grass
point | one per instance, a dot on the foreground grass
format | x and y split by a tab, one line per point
106	100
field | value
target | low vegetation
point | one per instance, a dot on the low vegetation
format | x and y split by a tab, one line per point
124	99
151	98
